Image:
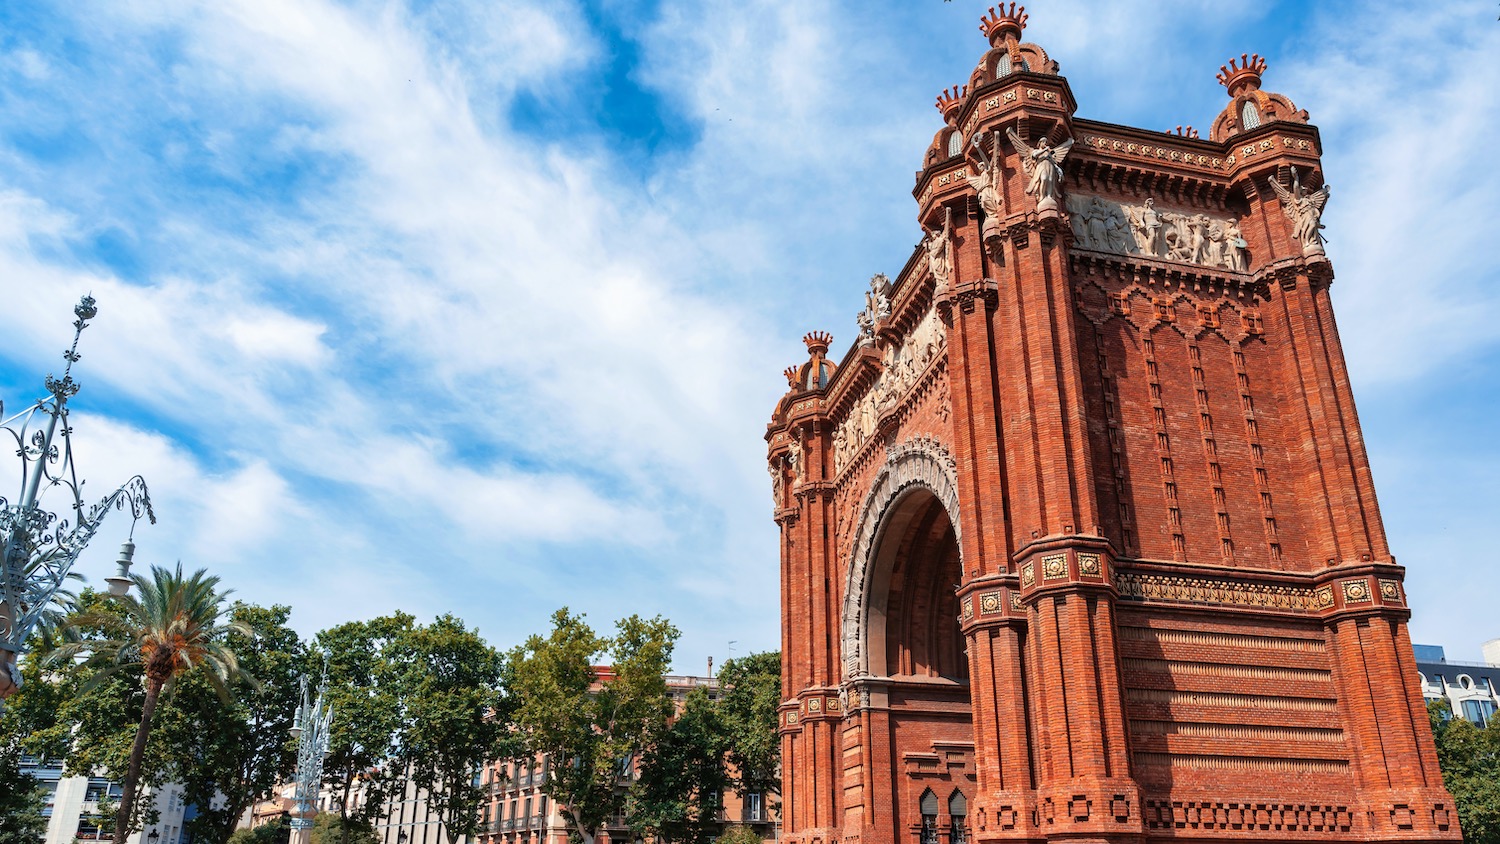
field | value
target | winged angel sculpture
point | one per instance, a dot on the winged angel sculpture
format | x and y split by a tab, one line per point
1043	163
1305	209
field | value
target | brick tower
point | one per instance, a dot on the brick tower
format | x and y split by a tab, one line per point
1079	539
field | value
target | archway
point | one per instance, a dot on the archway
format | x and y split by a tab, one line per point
906	665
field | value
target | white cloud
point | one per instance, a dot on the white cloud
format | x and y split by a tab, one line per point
457	366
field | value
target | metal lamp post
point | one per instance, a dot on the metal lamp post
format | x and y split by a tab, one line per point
39	548
310	727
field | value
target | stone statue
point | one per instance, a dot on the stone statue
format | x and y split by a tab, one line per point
986	183
1147	228
1235	246
938	258
840	447
1214	247
1094	219
866	322
878	300
776	481
1116	230
794	459
1305	210
1044	164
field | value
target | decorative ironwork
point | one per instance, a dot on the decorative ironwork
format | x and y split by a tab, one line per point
40	547
311	728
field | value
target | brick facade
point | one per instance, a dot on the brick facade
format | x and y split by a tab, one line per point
1080	540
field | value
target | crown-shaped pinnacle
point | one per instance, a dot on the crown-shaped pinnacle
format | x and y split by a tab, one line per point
996	25
791	375
1187	132
949	102
1237	76
817	342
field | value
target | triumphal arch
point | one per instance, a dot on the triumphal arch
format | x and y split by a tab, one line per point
1079	538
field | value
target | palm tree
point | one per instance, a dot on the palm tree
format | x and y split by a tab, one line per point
173	627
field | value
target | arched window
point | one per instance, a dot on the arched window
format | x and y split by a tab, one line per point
1249	115
955	144
1002	66
958	810
929	817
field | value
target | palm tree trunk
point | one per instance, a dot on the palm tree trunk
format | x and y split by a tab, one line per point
137	753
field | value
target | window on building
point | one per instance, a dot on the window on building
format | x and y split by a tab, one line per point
1249	115
1002	66
955	144
958	810
1479	711
752	808
929	807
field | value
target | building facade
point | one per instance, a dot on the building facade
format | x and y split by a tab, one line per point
72	807
1472	689
520	812
1079	539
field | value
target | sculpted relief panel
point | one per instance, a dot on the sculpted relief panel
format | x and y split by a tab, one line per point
903	365
1105	225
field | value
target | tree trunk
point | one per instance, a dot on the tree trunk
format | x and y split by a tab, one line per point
137	753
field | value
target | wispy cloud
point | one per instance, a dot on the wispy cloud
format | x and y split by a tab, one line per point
379	342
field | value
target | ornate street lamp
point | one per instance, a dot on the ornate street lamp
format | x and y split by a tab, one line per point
37	547
310	727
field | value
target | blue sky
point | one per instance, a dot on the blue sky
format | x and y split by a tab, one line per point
482	306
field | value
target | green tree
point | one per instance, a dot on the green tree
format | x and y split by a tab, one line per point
680	791
1470	761
275	832
455	717
740	835
228	755
364	690
591	728
21	799
331	828
173	628
81	713
748	707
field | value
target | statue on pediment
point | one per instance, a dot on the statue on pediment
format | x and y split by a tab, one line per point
1043	163
1305	209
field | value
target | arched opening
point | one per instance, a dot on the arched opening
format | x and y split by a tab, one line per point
1249	116
958	813
1002	65
913	614
915	650
955	144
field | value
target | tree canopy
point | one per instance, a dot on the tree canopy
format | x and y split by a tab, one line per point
593	727
1470	760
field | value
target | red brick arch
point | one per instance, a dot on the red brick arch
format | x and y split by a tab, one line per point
912	467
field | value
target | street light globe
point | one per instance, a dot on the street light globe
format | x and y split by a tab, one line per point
296	732
121	582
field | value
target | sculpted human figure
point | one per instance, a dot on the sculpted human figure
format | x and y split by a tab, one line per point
878	299
986	184
1213	249
1097	216
1235	246
866	326
1148	229
938	259
1044	164
776	481
1115	228
794	459
1078	217
1305	210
